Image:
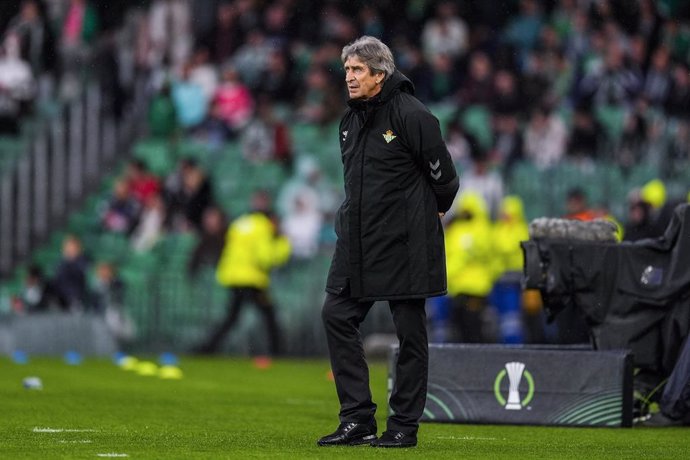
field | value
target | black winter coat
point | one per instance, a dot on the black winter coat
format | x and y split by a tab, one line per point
398	177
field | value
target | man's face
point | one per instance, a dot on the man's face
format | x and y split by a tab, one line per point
361	83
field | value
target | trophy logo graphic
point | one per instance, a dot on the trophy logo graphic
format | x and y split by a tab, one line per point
514	377
515	372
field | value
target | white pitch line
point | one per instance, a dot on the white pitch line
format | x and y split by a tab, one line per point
78	441
61	430
467	438
112	454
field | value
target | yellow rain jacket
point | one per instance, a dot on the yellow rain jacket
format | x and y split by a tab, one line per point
510	230
251	250
469	253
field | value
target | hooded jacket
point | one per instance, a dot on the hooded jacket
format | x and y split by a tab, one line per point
398	177
471	256
251	250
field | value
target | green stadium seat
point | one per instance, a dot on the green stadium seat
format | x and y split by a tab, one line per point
156	154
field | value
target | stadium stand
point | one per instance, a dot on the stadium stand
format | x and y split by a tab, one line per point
549	48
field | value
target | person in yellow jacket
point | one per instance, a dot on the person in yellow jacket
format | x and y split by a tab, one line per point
252	248
509	231
470	262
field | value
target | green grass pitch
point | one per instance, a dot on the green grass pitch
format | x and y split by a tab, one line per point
227	408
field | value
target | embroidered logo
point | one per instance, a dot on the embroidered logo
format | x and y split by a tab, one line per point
344	135
389	136
435	169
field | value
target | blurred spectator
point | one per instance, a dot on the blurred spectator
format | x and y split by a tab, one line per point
70	280
191	103
170	33
173	195
507	234
507	99
507	142
188	199
335	26
277	23
633	140
276	81
225	36
108	288
17	87
38	294
657	82
320	101
233	105
370	22
509	231
443	81
301	210
611	84
586	135
109	297
79	28
253	247
639	224
122	210
458	144
142	184
266	138
36	40
678	99
545	138
162	114
482	180
252	58
536	85
478	87
211	241
471	271
522	31
445	34
80	24
203	73
650	23
577	206
149	227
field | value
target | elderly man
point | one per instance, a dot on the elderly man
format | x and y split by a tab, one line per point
399	179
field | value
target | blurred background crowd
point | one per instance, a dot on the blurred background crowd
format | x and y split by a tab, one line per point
563	108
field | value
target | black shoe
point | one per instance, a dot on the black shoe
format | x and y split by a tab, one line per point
350	434
395	439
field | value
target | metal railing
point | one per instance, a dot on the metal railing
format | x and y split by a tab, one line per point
66	157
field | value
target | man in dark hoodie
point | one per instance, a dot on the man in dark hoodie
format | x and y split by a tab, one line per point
399	180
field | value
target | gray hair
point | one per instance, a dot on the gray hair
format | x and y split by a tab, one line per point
373	52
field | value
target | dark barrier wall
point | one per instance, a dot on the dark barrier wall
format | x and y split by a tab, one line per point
53	334
530	385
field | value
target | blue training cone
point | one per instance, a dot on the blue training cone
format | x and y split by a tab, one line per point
168	359
20	357
73	358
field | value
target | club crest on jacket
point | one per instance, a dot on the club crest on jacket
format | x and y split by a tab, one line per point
389	136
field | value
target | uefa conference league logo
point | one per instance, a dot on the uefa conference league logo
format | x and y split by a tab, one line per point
515	371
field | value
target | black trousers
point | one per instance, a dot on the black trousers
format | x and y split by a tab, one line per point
341	318
238	298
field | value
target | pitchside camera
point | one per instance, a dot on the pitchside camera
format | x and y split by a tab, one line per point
633	295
